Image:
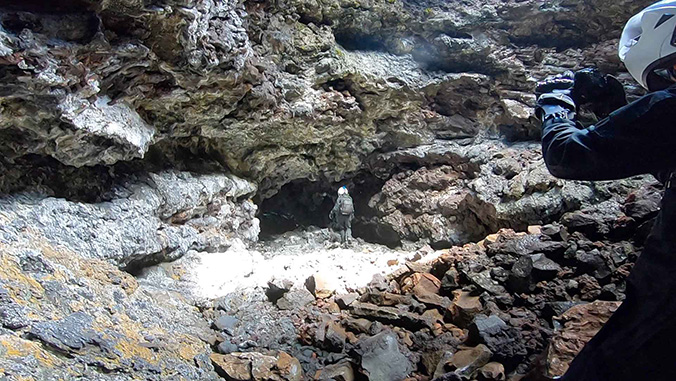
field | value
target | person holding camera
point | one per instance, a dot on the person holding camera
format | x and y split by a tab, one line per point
639	340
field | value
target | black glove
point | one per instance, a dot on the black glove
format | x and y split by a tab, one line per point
601	93
554	100
562	83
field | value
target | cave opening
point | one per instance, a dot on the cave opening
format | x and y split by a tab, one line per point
303	204
357	41
48	6
72	21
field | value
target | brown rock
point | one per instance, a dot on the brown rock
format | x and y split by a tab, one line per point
493	371
254	366
466	362
535	229
421	284
231	366
334	308
393	262
357	325
458	333
464	308
581	323
430	360
419	267
289	367
351	337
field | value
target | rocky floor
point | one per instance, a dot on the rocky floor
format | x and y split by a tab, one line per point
483	311
298	306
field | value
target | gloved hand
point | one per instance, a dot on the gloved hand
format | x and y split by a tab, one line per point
602	93
554	100
562	83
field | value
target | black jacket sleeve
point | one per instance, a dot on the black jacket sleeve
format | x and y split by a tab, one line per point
636	139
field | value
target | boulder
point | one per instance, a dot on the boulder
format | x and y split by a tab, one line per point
421	284
389	315
450	281
386	299
381	359
254	366
232	367
227	347
519	279
484	282
335	337
555	232
357	325
379	283
592	262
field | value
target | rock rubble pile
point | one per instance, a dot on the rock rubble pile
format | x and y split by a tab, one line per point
483	311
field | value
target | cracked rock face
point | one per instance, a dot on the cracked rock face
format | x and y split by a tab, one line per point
450	193
146	220
275	92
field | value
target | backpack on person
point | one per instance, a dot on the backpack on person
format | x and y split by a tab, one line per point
346	206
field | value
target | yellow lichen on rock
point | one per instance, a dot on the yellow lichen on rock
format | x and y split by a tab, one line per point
16	281
15	347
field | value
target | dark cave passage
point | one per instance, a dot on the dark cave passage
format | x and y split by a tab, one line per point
302	204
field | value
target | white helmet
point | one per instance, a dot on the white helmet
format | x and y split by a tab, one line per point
648	45
342	190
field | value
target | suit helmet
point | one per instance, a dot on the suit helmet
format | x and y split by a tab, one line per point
648	45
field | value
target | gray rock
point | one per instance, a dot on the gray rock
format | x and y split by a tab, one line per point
128	230
295	299
505	342
382	360
277	288
227	347
71	333
344	301
484	282
226	323
14	316
544	268
449	281
520	277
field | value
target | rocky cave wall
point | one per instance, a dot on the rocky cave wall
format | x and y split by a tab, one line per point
133	132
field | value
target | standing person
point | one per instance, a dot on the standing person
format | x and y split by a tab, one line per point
639	340
342	215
